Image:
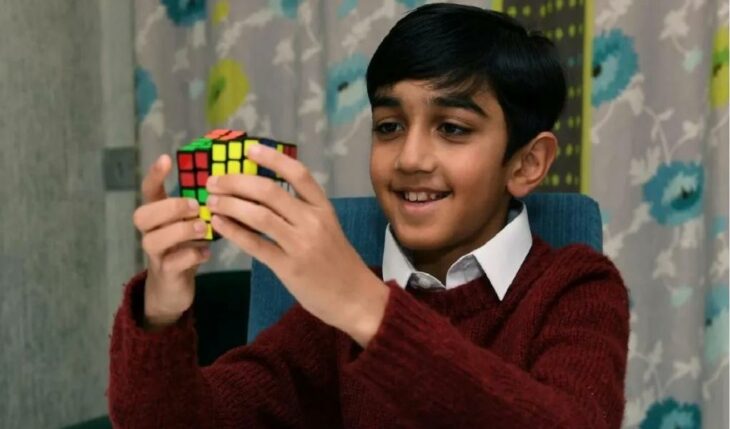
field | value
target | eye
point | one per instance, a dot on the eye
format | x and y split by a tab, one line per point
387	128
453	130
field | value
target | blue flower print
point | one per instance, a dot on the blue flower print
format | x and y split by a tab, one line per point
185	12
614	64
691	59
669	414
410	4
286	8
145	92
346	7
675	193
346	89
719	226
716	323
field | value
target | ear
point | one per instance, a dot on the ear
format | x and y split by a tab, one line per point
529	165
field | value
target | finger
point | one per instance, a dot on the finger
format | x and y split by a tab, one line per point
249	241
261	190
184	258
161	240
153	185
159	213
290	170
196	244
256	216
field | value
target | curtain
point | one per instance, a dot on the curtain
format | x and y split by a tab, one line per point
660	172
644	132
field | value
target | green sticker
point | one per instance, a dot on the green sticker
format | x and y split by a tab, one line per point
204	143
202	195
197	144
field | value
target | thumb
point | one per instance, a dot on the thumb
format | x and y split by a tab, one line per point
153	185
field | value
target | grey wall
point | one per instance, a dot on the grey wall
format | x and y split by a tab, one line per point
66	245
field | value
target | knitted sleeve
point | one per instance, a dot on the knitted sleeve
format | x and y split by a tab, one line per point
280	380
435	377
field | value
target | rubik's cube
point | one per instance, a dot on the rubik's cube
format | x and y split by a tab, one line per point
218	153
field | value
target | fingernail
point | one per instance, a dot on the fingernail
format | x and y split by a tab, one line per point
199	226
212	180
158	163
212	200
216	221
205	252
193	204
254	150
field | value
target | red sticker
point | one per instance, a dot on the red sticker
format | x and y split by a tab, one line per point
201	160
187	180
185	161
202	178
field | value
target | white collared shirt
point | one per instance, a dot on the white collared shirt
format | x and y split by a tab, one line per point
499	258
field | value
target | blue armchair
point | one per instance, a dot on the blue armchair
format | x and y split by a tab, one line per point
560	219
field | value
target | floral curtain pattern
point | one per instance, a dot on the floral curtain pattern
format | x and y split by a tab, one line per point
660	118
645	133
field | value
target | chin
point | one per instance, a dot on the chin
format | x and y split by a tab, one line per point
418	238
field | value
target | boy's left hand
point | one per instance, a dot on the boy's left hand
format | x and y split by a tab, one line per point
307	249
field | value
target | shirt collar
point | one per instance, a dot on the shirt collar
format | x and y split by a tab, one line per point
499	259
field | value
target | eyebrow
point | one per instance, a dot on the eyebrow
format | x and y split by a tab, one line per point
385	101
459	102
456	101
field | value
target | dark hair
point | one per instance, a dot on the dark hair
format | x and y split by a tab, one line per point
471	49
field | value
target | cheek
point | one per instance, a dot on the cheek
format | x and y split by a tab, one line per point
475	174
378	168
381	162
478	186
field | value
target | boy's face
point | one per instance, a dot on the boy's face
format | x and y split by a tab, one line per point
448	149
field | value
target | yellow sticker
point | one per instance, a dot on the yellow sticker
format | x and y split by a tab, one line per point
234	167
235	150
219	152
247	144
218	169
250	167
204	213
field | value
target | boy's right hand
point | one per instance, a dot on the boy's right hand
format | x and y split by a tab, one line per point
170	228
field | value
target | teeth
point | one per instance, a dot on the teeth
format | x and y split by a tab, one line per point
422	196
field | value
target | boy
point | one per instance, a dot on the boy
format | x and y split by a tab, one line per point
471	322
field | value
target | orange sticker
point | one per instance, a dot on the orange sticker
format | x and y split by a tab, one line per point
217	133
233	134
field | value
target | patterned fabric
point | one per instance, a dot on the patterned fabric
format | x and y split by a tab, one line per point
641	108
659	95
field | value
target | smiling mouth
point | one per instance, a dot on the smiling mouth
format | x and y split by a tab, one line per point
422	197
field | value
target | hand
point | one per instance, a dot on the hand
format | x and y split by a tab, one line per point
169	228
307	249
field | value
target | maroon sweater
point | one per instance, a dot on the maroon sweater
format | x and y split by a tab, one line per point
552	354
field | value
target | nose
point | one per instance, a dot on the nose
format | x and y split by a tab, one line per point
417	152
